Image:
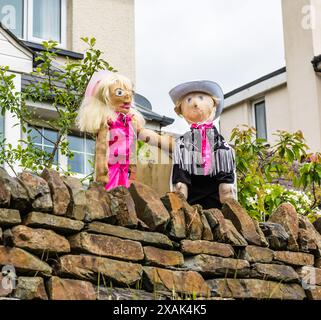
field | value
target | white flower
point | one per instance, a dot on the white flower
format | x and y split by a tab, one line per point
251	200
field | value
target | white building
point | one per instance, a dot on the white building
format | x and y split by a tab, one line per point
290	98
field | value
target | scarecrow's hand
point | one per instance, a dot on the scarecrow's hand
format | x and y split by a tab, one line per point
163	142
226	192
182	188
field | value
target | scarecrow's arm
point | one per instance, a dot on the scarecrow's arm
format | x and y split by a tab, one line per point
101	169
164	142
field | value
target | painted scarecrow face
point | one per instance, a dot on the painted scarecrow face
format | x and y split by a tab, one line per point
197	107
120	96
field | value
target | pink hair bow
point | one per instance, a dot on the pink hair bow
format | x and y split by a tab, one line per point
94	81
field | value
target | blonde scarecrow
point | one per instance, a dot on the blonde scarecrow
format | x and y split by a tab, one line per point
107	112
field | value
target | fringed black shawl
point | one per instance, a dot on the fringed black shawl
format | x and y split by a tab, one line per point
188	153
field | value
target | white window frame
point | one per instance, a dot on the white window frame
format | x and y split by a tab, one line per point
27	24
62	158
28	4
85	153
43	140
253	114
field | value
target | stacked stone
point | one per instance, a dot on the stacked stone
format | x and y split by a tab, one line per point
66	242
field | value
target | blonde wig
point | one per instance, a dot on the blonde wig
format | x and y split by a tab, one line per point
96	108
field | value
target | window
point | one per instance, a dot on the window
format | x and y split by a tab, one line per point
1	127
83	149
35	20
260	119
44	139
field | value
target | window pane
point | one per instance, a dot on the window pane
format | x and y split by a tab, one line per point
1	127
77	163
35	135
47	19
89	164
11	15
49	150
90	146
50	135
260	120
76	143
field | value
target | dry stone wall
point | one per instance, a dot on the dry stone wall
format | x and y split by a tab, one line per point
59	241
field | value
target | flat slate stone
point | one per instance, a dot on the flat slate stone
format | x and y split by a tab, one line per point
99	270
59	192
255	289
216	266
174	203
275	234
38	190
129	294
257	254
207	231
163	258
70	289
23	261
76	208
244	224
149	207
190	247
98	204
30	288
38	240
19	198
147	238
123	207
294	258
223	229
49	221
188	282
107	246
9	217
313	235
277	272
287	216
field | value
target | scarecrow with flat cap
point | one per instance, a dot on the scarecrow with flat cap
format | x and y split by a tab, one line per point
203	163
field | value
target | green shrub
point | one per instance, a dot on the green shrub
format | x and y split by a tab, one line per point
264	172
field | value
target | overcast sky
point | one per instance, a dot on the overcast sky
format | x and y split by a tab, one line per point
231	42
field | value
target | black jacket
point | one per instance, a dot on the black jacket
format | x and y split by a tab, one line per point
188	167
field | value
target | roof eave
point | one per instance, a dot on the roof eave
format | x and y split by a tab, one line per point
252	83
16	39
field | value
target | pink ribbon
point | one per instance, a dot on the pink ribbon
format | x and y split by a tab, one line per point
206	147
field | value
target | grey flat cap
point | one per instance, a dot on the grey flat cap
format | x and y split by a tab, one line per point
205	86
